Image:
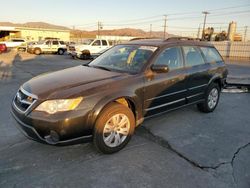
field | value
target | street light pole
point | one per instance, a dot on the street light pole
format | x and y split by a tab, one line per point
150	32
204	23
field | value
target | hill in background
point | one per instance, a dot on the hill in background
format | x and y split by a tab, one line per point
89	34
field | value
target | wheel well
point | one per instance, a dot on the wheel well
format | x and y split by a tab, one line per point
218	81
128	103
87	52
37	48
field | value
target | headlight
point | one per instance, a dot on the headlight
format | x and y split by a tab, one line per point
59	105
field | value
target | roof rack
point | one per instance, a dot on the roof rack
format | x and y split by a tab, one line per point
182	38
143	38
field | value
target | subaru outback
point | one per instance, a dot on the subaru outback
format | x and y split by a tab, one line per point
106	99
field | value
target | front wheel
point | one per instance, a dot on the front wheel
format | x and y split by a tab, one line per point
60	51
114	128
37	51
212	96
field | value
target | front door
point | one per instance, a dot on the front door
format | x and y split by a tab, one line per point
166	91
47	46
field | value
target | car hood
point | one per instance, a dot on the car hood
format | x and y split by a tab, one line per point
81	46
46	84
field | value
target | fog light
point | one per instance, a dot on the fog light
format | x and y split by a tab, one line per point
52	138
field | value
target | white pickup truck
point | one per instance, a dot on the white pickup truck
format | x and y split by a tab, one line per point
89	48
15	43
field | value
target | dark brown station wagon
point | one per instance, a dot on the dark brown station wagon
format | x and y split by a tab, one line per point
107	98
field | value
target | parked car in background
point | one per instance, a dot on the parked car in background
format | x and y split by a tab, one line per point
14	43
106	99
48	46
89	48
3	48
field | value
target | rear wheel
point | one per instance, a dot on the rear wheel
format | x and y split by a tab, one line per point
60	51
114	128
212	96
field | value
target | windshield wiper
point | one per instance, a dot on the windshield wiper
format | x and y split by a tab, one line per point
103	68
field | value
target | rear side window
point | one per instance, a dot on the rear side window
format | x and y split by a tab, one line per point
62	42
192	56
211	54
104	43
170	57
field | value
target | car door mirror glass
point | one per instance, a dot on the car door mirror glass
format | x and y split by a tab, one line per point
160	68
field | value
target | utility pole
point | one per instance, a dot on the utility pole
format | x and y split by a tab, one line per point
150	32
199	31
165	26
99	27
245	34
204	23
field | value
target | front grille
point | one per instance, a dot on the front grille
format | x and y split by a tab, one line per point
24	100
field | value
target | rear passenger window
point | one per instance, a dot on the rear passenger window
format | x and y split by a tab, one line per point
211	54
104	43
170	57
192	56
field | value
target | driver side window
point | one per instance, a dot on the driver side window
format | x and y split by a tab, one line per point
170	57
47	43
97	43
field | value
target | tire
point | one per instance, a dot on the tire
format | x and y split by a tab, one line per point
107	137
37	51
85	55
60	51
212	97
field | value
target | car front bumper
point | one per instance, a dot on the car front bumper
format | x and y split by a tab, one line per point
70	130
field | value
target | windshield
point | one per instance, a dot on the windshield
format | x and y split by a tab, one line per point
87	42
41	42
124	58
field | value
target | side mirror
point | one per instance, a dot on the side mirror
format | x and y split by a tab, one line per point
160	68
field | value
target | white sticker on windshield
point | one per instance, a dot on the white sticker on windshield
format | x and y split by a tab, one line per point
150	48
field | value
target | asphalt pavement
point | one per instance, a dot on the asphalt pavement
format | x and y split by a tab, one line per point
184	148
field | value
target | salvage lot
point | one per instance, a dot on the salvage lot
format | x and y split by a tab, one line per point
184	148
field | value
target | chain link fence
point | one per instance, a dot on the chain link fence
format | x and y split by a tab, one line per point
233	49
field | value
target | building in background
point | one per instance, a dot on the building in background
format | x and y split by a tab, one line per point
32	34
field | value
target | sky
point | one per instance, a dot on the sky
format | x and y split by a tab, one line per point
182	15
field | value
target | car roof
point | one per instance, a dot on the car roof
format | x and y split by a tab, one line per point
162	42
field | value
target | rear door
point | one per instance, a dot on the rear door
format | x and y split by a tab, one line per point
166	91
55	46
198	74
104	45
96	47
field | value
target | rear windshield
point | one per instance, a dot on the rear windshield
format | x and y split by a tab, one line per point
211	54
